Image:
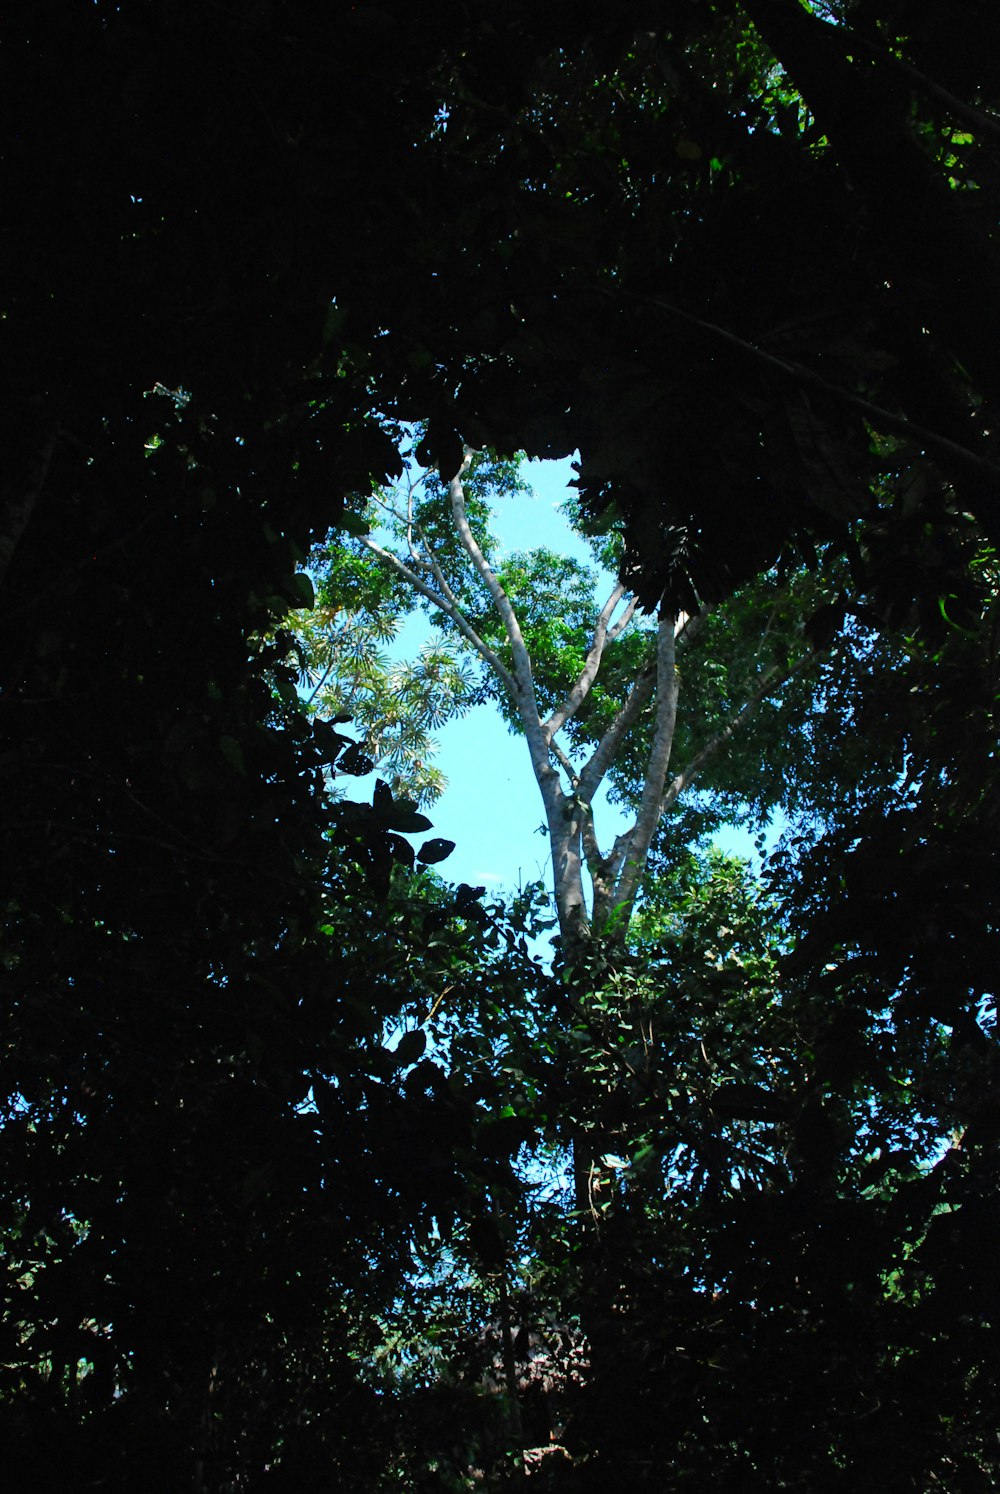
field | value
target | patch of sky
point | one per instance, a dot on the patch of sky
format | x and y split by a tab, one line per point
491	808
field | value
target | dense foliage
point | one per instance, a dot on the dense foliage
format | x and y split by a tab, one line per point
286	1191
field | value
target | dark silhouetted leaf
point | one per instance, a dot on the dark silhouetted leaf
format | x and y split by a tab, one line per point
435	850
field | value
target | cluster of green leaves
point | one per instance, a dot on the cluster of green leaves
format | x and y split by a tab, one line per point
348	676
349	648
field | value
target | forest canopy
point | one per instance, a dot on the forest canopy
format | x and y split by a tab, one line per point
314	1170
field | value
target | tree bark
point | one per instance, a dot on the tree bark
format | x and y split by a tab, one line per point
651	803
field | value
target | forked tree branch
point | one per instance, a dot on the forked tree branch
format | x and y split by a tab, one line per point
437	572
650	804
592	663
798	373
592	852
608	748
451	610
606	752
977	119
566	765
525	699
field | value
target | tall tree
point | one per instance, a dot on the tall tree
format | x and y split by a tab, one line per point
604	679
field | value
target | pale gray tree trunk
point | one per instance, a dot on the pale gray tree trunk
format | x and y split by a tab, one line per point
567	792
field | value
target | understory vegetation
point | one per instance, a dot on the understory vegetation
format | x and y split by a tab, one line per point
672	1171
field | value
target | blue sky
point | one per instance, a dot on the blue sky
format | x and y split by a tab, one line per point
491	808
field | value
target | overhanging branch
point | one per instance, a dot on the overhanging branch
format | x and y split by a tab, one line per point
798	373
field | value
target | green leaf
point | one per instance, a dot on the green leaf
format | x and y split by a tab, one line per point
303	589
329	743
435	850
398	814
410	1047
401	850
353	524
355	762
407	821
